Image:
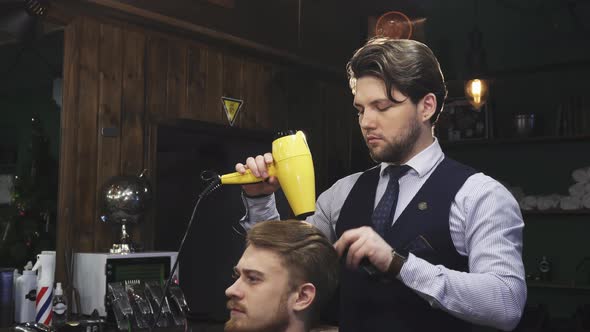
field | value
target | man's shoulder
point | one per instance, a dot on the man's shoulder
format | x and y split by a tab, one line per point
343	186
482	179
347	181
480	184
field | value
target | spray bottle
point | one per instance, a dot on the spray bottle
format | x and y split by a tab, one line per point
26	294
45	267
60	307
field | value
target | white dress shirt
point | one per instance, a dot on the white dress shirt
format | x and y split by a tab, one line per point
485	224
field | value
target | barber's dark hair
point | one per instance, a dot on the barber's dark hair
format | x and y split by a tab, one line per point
405	65
305	252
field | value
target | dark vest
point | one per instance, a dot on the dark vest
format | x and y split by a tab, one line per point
368	305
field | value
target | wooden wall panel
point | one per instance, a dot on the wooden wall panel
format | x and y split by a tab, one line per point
196	82
109	116
87	135
156	77
279	98
66	210
299	89
251	87
176	100
150	162
214	86
133	110
263	101
156	81
233	72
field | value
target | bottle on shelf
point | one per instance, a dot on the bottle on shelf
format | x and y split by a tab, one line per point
545	269
60	307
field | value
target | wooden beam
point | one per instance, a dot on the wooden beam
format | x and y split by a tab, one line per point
132	13
224	3
60	14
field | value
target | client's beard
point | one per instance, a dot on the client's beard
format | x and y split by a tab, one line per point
278	322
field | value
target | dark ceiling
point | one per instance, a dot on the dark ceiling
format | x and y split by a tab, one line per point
517	35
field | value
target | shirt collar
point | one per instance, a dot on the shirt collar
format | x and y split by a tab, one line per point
424	161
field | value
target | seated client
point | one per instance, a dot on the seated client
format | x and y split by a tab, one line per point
288	270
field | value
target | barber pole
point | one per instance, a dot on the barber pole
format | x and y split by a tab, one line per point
43	306
45	267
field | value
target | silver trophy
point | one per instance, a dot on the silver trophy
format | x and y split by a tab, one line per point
125	200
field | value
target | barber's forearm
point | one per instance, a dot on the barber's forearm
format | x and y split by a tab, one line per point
481	298
259	209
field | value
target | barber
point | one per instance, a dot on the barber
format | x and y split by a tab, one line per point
445	239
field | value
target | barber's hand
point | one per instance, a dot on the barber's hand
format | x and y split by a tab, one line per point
364	242
259	167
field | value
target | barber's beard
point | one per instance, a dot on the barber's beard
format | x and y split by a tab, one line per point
399	150
278	322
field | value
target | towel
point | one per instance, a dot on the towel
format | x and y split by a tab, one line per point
548	202
528	203
581	174
578	189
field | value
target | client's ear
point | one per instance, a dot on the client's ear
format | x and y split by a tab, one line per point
305	296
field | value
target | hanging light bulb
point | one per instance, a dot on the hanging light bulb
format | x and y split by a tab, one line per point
476	87
476	91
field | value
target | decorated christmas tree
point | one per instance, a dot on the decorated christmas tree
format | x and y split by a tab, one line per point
29	221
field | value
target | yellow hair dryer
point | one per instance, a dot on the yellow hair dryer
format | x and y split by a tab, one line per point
293	167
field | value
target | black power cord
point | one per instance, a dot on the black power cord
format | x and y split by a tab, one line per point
214	183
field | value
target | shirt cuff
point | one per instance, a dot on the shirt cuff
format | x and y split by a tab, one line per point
422	277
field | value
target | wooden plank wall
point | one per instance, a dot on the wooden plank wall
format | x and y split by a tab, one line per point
128	78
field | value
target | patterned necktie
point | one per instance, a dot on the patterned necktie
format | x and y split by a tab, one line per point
385	210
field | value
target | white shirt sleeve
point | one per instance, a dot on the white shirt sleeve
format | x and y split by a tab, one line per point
259	209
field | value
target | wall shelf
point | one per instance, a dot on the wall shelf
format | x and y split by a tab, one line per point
508	141
581	212
541	284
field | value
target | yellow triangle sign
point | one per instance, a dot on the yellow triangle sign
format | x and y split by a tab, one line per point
231	106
